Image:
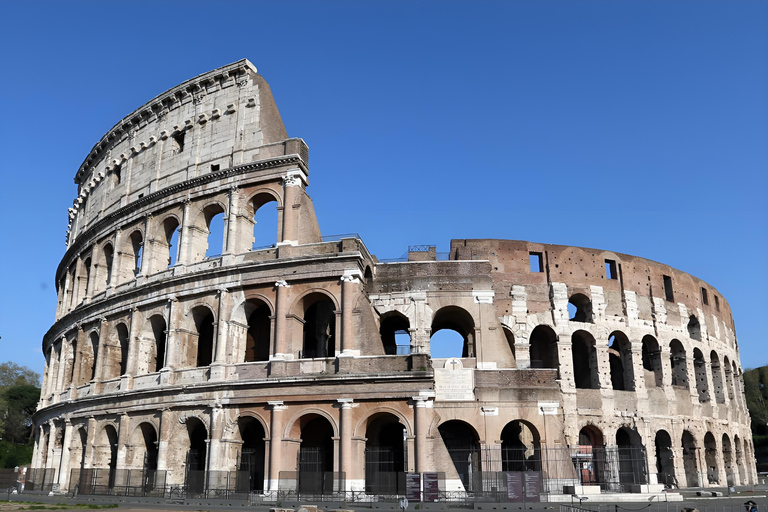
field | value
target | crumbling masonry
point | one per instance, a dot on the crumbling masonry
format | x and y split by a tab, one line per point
306	365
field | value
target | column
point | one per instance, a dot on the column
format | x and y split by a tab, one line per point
122	440
116	260
171	345
232	222
214	442
421	403
93	275
60	368
76	362
281	321
65	462
345	458
349	290
220	351
162	439
292	184
275	443
133	352
182	257
146	259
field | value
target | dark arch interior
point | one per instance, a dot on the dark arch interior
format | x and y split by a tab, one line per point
520	447
652	362
394	334
620	358
710	457
258	335
159	333
678	363
315	455
252	454
385	455
462	443
204	324
580	308
150	444
543	348
694	328
122	336
584	361
665	459
319	327
689	459
197	445
112	440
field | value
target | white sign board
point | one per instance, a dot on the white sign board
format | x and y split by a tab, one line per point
453	382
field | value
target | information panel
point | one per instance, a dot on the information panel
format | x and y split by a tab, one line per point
514	486
431	488
413	486
532	486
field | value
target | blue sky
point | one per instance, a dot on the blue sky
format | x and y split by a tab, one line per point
639	127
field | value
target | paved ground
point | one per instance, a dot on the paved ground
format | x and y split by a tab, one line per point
726	503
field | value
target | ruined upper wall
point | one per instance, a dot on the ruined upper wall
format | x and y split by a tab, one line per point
220	119
580	268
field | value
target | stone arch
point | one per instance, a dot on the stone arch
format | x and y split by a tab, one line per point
257	202
252	456
584	353
665	459
543	347
258	315
654	376
459	320
620	358
131	255
632	458
700	368
105	451
740	459
231	427
520	446
395	332
678	363
316	451
385	452
91	357
382	409
317	308
293	427
145	443
165	254
462	442
201	339
200	230
710	457
104	266
728	460
717	377
731	393
694	328
580	308
690	459
157	328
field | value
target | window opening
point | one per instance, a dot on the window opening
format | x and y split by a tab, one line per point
204	324
543	348
319	328
108	257
704	297
137	243
610	269
264	222
717	303
580	308
652	362
584	361
215	167
620	358
536	262
694	328
215	236
177	143
160	335
257	337
668	293
252	455
453	333
700	367
116	175
394	334
678	363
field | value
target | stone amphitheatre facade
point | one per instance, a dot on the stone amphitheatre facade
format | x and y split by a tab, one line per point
307	365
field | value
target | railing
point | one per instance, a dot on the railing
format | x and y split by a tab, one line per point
337	238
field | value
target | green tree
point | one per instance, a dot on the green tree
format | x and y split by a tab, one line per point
19	394
756	392
12	374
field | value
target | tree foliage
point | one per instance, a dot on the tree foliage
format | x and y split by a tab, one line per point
19	394
756	391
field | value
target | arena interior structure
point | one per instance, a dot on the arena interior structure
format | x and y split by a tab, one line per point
183	360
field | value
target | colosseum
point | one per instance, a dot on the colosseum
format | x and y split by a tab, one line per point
182	359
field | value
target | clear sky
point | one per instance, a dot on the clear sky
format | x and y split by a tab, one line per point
639	127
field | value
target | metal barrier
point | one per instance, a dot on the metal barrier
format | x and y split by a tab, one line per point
40	480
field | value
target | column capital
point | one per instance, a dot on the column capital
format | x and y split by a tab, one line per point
346	403
282	284
349	279
295	178
277	405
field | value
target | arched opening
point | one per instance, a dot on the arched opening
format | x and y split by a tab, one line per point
678	363
316	455
728	378
700	366
620	358
214	222
463	445
632	460
585	374
740	459
265	224
87	268
319	326
137	246
70	376
690	460
590	456
395	333
109	445
385	455
204	326
257	339
109	256
196	462
520	447
159	333
453	333
717	377
511	344
665	459
171	232
580	308
252	455
123	340
94	355
543	347
694	328
710	457
728	460
652	362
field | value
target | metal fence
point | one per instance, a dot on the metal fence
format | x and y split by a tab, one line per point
119	482
40	480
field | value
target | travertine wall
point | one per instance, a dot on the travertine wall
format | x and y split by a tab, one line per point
161	353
